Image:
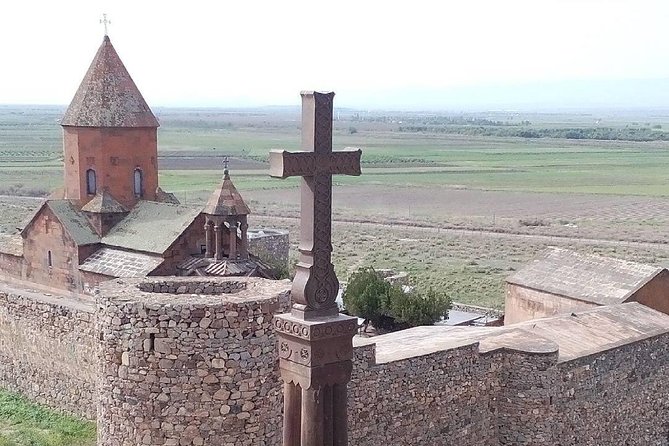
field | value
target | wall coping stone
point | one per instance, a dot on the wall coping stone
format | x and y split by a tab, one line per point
251	289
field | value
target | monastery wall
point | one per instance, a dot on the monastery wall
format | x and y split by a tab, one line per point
522	304
506	397
614	397
441	398
271	246
180	367
48	351
193	361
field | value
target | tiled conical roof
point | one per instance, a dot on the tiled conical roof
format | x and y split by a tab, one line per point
108	97
226	200
104	203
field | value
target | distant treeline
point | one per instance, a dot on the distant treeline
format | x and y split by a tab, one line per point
602	133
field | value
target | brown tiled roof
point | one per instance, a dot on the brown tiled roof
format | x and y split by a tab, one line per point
226	200
104	203
591	278
108	97
118	263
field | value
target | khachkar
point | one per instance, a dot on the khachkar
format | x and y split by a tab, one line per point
315	341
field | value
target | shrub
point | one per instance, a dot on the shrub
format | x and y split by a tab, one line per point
387	306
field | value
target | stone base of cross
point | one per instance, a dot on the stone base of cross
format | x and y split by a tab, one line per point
314	340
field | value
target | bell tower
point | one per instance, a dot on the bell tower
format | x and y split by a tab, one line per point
109	136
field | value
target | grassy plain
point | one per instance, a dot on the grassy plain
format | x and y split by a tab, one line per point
25	424
565	189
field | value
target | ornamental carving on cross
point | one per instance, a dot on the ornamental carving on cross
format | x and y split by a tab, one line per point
315	285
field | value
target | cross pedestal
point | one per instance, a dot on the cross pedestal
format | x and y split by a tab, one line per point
315	341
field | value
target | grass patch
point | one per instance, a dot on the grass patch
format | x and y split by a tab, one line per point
23	423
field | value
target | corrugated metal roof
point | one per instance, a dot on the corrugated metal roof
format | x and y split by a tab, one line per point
117	263
107	96
572	335
151	227
591	278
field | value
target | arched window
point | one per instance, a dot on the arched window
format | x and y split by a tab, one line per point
49	259
91	185
137	183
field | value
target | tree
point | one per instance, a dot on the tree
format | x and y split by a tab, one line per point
387	306
367	296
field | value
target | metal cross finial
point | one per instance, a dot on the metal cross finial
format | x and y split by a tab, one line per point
226	172
105	21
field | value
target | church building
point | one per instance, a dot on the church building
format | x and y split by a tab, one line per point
112	219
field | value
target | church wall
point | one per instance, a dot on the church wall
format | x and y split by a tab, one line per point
48	352
188	243
12	266
113	153
45	234
655	293
522	304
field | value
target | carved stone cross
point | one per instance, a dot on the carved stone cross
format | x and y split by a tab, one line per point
314	340
315	286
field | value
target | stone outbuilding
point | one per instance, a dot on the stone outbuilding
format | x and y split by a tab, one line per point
562	281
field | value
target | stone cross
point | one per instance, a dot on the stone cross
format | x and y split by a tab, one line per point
315	286
105	22
314	340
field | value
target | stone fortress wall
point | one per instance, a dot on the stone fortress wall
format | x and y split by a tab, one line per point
193	361
189	361
271	245
48	351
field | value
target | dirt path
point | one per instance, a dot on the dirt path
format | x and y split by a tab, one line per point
496	234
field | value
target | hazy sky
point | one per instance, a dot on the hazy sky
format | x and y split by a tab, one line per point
372	53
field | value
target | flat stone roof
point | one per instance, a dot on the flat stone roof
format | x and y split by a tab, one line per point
11	244
572	335
117	263
590	278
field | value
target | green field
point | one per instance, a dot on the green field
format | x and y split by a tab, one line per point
26	424
30	153
441	177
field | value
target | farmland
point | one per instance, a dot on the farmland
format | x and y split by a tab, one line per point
457	208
